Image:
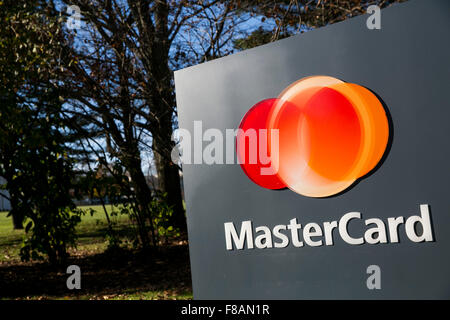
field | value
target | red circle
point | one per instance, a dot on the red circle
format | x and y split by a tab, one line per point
248	138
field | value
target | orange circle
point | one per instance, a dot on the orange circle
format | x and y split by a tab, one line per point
331	133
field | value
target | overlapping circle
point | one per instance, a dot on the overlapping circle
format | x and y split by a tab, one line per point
330	133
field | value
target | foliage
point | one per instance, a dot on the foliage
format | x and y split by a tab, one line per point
50	234
161	213
257	38
33	154
39	175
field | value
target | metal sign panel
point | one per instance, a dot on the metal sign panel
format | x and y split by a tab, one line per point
406	65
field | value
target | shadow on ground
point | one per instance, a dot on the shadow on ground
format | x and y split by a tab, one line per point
108	273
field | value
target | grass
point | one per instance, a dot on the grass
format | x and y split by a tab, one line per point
134	275
10	239
90	232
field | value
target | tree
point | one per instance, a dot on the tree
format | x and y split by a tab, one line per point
33	154
120	67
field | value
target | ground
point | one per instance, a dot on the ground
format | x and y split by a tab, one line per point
106	274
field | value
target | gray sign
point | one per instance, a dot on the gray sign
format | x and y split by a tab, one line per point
406	63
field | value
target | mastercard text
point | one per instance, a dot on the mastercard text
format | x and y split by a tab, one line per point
417	228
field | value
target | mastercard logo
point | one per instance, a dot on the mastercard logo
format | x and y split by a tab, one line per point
321	135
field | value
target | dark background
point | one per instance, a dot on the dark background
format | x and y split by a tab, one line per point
406	64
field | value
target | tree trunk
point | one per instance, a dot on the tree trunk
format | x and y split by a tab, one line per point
169	182
17	219
143	197
15	212
163	106
17	222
